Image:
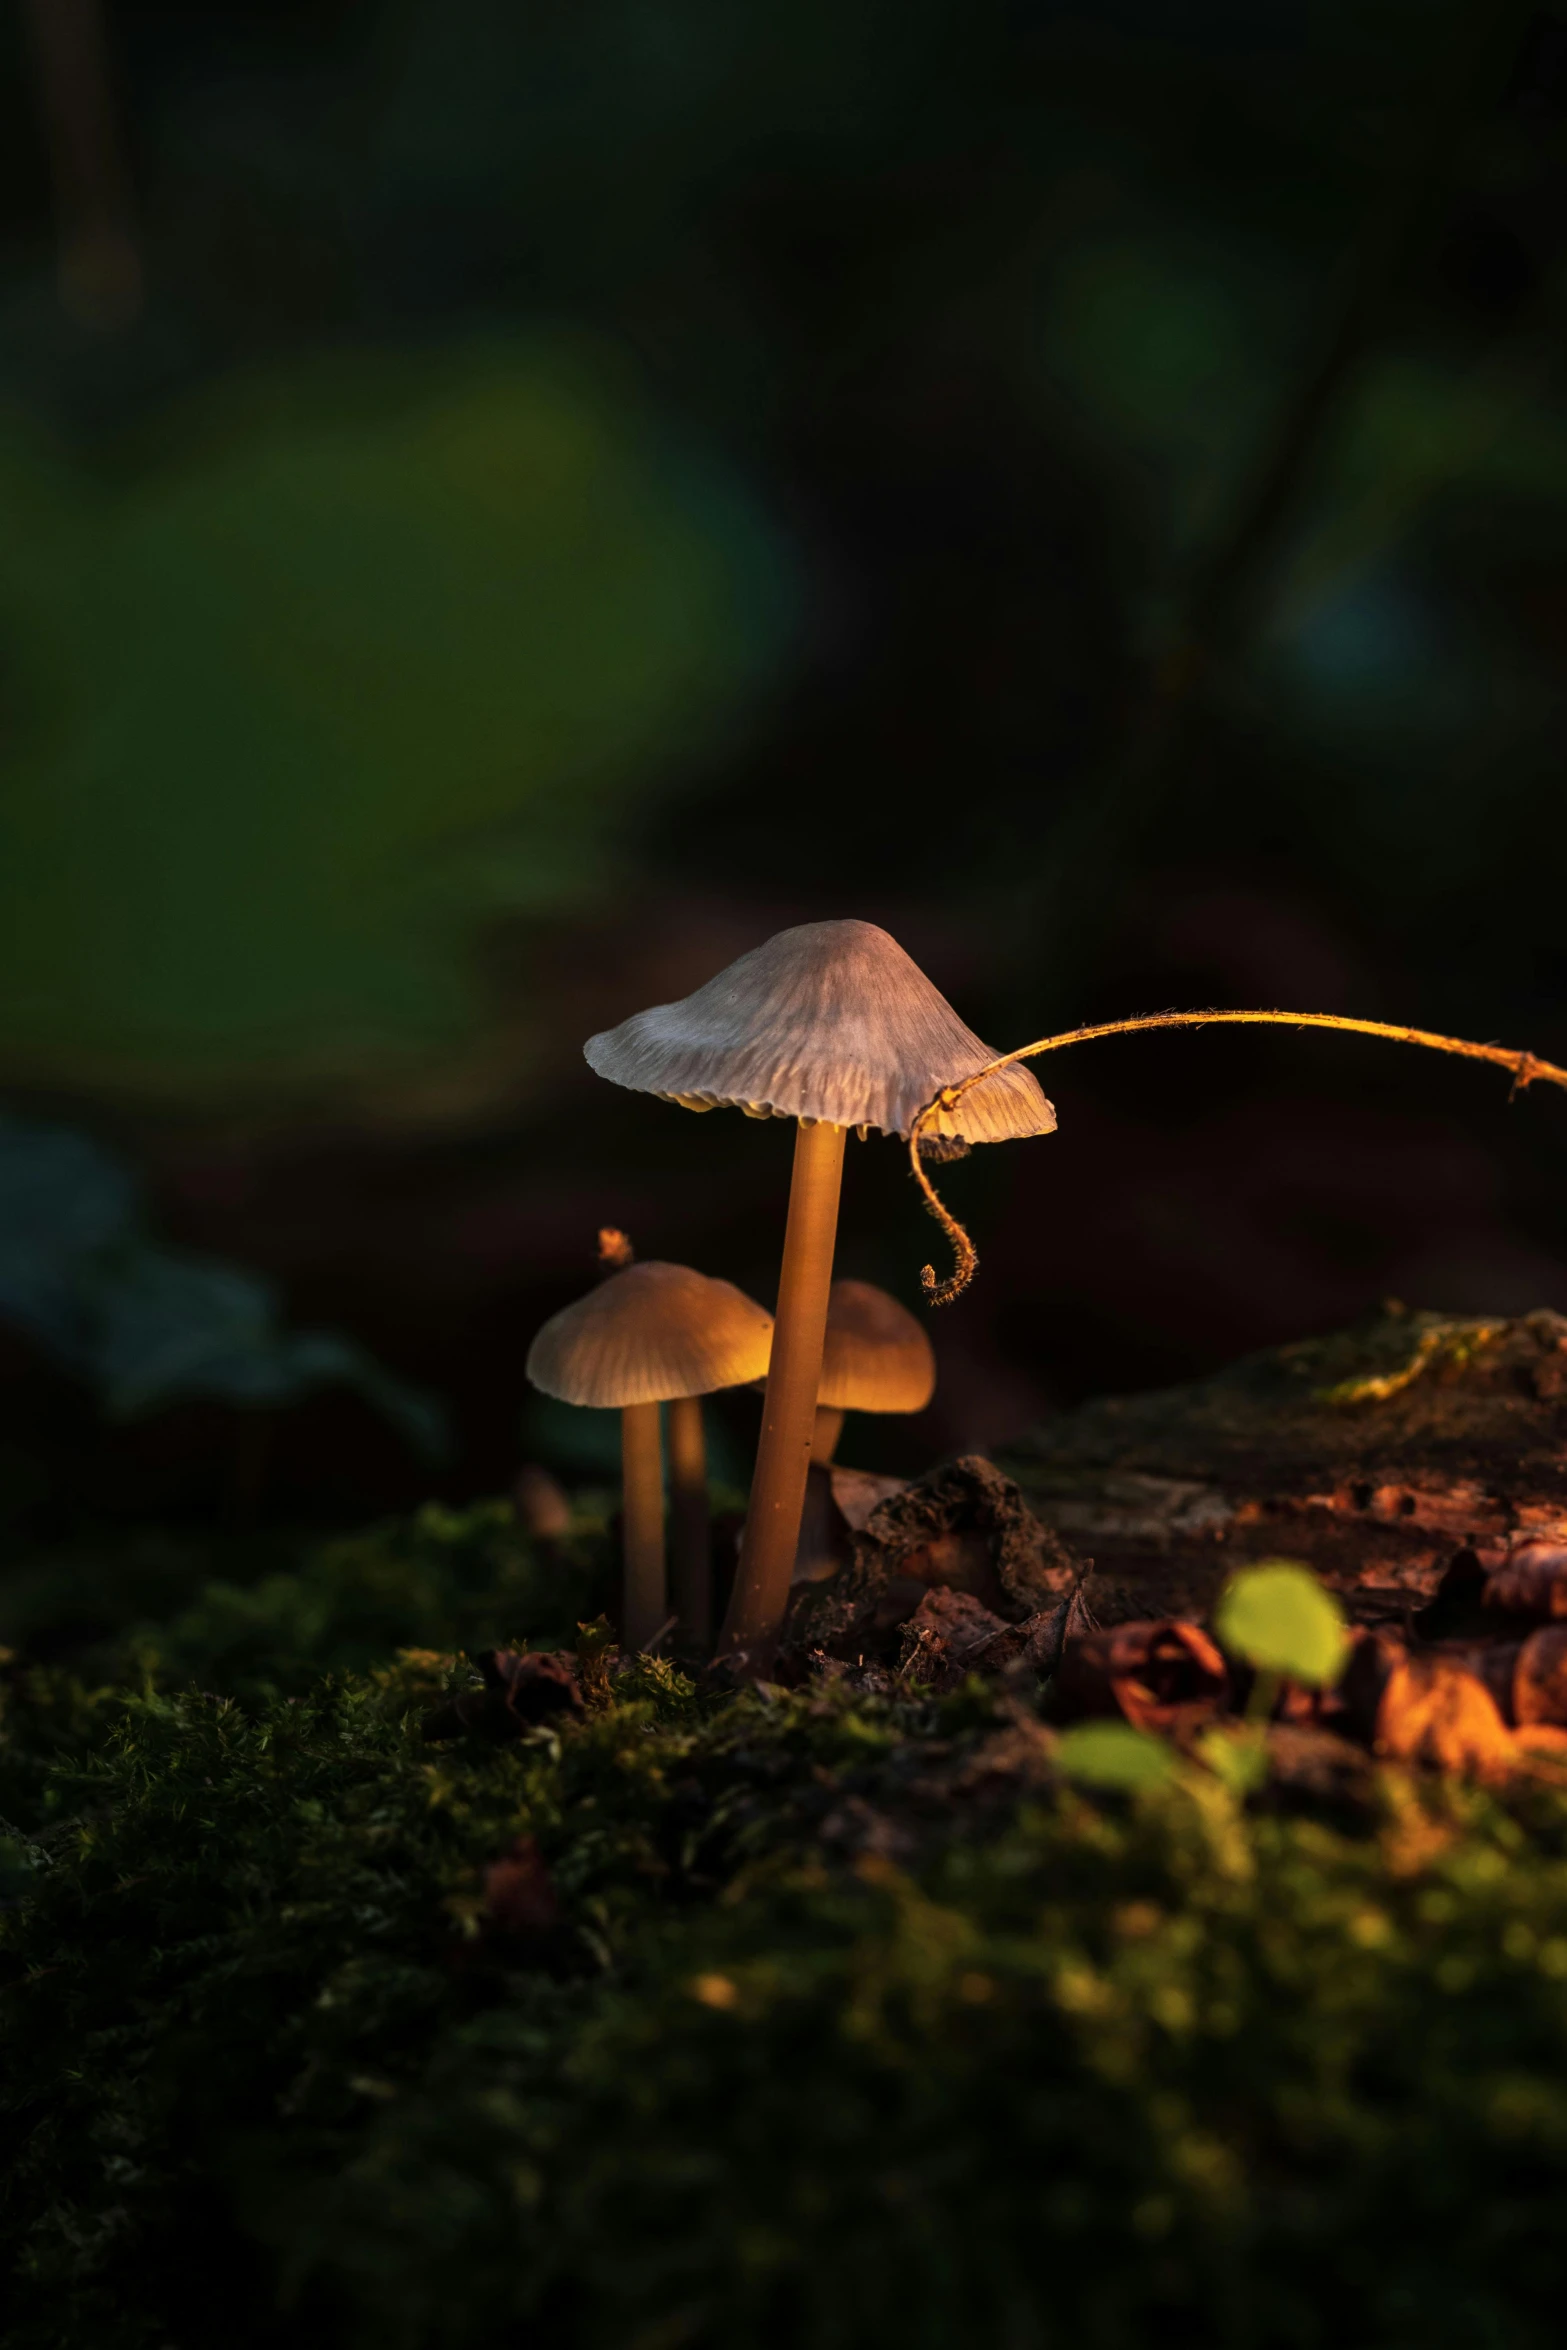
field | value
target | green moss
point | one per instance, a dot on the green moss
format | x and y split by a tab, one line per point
856	2024
1432	1343
156	1614
447	1579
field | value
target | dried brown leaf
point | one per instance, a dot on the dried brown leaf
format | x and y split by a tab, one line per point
1435	1710
1159	1676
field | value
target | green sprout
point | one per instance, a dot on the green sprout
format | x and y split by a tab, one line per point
1277	1618
1113	1754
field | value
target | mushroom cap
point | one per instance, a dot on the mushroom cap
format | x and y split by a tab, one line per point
878	1358
829	1022
650	1334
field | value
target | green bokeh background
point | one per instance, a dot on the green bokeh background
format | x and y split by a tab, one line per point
584	487
352	658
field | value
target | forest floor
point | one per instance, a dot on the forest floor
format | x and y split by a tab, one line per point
386	1959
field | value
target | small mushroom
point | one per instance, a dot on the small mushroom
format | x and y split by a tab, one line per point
877	1358
541	1506
833	1025
649	1335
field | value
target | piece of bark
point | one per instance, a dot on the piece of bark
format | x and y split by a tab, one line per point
839	1504
967	1525
1032	1650
1165	1676
964	1527
859	1493
947	1633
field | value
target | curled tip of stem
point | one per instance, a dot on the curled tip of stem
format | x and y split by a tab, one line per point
965	1256
615	1249
942	1293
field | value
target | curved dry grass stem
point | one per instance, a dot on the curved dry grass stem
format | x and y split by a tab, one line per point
1525	1068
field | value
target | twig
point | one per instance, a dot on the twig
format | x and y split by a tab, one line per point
1527	1069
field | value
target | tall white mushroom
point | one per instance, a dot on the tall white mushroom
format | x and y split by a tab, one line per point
834	1025
649	1335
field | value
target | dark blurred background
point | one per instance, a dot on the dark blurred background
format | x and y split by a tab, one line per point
502	507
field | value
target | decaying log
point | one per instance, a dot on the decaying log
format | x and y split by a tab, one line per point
1384	1457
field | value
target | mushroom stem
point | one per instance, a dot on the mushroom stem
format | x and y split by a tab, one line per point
783	1456
691	1592
643	1607
829	1427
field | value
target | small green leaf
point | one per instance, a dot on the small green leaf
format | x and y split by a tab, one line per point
1277	1617
1113	1754
1238	1758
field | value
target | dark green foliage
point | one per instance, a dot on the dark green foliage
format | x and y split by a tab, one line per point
87	1623
855	2025
442	1579
147	1326
448	1579
528	603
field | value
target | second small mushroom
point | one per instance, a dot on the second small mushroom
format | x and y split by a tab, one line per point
654	1334
877	1358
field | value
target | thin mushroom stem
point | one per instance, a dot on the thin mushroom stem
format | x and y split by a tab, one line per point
691	1594
829	1427
1525	1068
783	1456
643	1607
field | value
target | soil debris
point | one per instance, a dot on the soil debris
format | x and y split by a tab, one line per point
1531	1581
1318	1768
519	1894
1167	1677
965	1529
838	1505
519	1689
